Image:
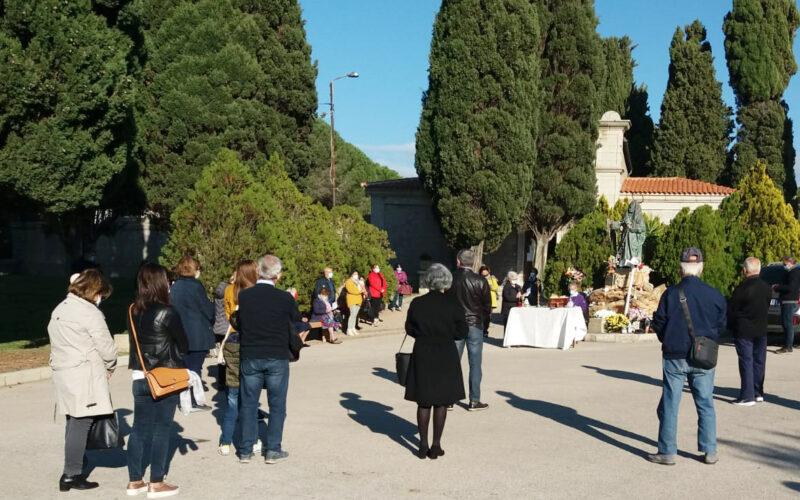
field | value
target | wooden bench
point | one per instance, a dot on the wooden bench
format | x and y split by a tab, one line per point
317	325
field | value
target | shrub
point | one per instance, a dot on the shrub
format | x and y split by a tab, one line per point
233	214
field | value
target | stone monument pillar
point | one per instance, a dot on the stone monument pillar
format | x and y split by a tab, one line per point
610	167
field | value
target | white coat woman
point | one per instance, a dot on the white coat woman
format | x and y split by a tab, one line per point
83	357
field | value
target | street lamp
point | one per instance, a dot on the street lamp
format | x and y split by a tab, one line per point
333	148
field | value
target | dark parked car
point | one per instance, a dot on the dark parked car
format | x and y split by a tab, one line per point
774	274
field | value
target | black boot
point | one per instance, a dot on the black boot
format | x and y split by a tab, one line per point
78	482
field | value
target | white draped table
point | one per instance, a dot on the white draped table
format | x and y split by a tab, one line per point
544	327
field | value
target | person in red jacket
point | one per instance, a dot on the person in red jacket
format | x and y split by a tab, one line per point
377	291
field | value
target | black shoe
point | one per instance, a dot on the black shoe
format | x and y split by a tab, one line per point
423	452
784	350
435	452
78	482
262	415
477	405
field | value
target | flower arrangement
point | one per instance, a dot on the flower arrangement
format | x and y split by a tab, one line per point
574	276
616	322
611	263
636	314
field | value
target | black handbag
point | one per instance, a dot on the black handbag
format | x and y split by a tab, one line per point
104	433
295	343
234	321
704	351
402	361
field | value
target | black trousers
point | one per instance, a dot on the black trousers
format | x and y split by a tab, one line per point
75	444
375	305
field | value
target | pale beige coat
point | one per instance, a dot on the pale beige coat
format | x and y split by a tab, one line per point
82	352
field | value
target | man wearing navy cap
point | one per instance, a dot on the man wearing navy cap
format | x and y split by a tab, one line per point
707	309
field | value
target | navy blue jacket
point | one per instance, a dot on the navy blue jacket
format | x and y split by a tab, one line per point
266	315
708	311
189	298
324	281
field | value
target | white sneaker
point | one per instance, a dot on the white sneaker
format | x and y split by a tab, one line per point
224	450
257	447
759	399
740	402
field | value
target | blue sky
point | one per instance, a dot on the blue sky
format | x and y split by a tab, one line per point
387	43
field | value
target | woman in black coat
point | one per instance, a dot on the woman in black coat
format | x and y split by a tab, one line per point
435	320
511	295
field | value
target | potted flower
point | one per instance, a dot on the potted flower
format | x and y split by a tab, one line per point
615	323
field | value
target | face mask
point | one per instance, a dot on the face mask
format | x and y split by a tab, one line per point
399	269
97	302
197	274
573	293
377	269
330	276
355	277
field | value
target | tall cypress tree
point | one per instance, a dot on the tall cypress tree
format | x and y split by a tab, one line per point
65	107
640	135
693	134
476	141
619	66
222	74
758	44
564	181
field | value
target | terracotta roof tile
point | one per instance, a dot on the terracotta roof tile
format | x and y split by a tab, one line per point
671	185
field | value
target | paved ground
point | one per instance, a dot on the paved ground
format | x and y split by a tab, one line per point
562	424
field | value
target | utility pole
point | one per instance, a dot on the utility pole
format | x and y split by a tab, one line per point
333	146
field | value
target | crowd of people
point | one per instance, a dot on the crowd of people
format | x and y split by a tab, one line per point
173	323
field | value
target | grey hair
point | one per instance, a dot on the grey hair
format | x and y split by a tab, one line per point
466	257
691	269
439	277
752	265
512	276
269	267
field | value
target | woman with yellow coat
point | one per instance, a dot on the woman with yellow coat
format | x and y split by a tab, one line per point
355	297
493	284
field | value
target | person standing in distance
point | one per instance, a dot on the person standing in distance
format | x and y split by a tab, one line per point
473	294
707	309
788	294
747	320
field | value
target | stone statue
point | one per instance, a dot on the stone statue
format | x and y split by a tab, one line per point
634	232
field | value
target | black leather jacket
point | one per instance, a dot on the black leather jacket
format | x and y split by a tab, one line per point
161	338
474	295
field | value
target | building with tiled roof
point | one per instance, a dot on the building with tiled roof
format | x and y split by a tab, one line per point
659	196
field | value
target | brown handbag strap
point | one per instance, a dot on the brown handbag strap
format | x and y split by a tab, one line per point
136	340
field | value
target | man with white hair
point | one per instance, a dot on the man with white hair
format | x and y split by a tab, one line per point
266	316
707	310
747	322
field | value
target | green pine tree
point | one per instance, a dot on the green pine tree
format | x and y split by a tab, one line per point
477	134
65	111
234	212
572	71
693	134
352	168
758	44
222	74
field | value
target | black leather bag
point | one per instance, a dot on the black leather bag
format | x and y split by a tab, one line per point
104	433
402	362
704	351
234	321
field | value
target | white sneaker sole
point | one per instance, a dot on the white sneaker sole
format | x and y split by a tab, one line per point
133	493
163	494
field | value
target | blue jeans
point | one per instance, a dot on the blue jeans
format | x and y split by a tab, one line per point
397	301
230	417
701	382
474	343
152	420
752	361
254	375
787	319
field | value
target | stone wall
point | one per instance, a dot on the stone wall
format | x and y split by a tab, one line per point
35	251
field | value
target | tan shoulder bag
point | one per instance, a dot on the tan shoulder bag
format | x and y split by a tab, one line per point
162	381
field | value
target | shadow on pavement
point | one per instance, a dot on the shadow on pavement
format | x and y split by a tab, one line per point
571	418
778	455
792	485
378	419
384	373
623	375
